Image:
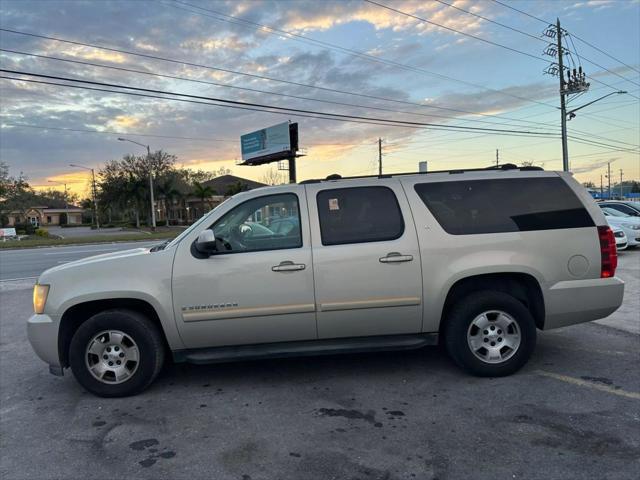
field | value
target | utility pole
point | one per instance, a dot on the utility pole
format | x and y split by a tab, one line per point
379	156
609	180
621	196
601	191
563	101
94	191
153	210
497	158
66	201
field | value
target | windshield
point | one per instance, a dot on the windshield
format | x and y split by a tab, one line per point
614	213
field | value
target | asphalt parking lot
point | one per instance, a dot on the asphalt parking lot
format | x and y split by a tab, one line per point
572	412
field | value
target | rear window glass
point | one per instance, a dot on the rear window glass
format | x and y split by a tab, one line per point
505	205
359	214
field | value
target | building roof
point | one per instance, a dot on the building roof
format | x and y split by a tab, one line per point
70	209
223	183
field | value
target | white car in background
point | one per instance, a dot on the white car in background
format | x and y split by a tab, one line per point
630	225
621	238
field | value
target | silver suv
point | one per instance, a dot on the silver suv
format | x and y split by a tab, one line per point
476	259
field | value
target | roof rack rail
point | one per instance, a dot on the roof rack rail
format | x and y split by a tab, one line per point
503	167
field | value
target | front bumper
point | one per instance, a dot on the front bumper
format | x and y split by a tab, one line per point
42	331
578	301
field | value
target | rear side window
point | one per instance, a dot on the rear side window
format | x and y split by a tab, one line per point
505	205
359	214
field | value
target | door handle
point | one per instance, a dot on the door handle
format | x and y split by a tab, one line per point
288	266
395	257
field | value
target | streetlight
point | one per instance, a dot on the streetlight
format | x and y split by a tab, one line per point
571	114
565	116
93	183
66	202
153	212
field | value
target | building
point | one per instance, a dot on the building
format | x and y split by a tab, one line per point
46	216
188	207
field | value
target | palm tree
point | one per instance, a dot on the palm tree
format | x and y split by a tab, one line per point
202	192
168	193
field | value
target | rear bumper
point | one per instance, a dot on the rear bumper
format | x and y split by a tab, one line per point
578	301
42	331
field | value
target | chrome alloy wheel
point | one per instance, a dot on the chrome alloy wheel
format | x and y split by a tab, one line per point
112	357
494	336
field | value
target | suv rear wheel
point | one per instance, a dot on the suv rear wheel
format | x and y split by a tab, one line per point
116	353
490	334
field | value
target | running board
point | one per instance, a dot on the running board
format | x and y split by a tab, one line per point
305	348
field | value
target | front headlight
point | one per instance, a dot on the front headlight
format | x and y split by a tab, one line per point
40	293
631	226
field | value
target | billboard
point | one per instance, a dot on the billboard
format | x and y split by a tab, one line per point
269	144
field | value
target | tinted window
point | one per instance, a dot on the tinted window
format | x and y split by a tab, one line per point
356	215
246	228
505	205
622	208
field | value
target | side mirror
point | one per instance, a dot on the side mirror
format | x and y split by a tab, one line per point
206	242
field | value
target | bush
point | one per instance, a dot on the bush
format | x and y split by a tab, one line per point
25	228
161	223
42	232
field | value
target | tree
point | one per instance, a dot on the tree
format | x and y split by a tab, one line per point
17	194
167	193
5	180
273	177
588	185
202	192
124	184
236	188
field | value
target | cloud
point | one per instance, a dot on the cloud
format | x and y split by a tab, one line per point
590	167
175	33
325	15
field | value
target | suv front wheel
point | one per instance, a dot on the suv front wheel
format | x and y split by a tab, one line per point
490	334
116	353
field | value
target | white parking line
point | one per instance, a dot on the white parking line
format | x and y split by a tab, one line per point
16	279
595	386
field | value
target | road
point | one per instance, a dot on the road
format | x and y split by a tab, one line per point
573	413
29	263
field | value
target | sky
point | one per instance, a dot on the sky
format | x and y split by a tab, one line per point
429	62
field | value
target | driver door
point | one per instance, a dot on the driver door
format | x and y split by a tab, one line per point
258	286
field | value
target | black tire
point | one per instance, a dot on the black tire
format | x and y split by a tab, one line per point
459	320
141	330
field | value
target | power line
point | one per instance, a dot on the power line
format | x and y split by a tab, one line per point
460	32
261	77
299	37
269	108
142	95
136	134
604	53
491	21
575	36
262	91
522	12
496	44
217	84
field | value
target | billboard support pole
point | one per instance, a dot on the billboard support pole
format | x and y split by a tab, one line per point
292	169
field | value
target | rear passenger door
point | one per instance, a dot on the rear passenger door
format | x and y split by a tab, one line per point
366	260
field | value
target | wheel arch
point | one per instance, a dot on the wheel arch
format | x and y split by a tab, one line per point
77	314
522	286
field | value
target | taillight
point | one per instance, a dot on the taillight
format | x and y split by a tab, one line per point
608	253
